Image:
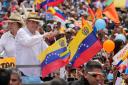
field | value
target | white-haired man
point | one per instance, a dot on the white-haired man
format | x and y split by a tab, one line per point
29	43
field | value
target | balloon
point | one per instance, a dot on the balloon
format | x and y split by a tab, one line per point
110	76
126	71
121	37
100	24
108	46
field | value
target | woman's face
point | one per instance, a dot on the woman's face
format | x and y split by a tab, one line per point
14	80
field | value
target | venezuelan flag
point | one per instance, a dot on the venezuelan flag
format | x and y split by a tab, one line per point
54	57
57	12
51	2
84	46
60	14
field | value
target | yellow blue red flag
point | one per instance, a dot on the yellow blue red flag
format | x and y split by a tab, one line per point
51	2
57	12
54	57
84	46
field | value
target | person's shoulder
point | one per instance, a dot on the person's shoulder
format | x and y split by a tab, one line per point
6	35
81	81
76	82
21	30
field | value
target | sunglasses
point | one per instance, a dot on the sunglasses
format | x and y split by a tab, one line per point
95	74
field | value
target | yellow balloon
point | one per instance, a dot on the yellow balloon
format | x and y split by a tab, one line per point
108	46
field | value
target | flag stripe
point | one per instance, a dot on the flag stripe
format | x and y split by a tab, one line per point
56	2
88	54
45	2
53	65
50	3
53	56
85	45
119	62
60	14
65	56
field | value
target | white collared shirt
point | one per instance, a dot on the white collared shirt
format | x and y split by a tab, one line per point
7	44
28	47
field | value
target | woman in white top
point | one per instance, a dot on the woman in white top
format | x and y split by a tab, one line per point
7	41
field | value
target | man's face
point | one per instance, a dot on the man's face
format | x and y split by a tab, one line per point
95	75
15	80
32	24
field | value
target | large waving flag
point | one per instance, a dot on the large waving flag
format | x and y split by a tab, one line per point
83	22
84	46
91	13
111	13
98	13
54	57
51	2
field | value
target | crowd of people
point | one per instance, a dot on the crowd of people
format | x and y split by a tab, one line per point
91	74
25	32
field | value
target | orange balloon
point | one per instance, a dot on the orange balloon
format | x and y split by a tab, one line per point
108	46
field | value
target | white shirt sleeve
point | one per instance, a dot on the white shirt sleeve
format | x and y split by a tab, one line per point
45	45
25	39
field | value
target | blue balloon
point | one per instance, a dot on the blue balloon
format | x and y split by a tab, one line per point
126	71
110	76
100	24
121	37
